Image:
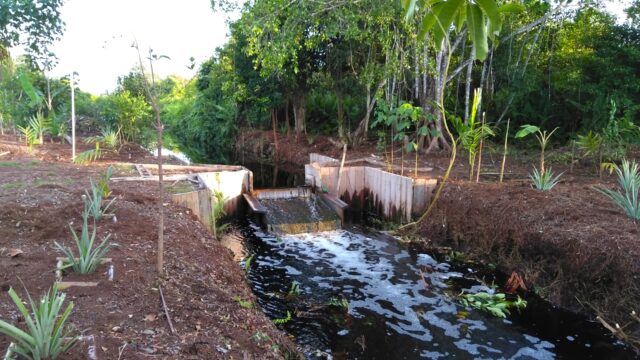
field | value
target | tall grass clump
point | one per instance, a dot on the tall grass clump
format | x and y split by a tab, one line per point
88	258
46	336
627	196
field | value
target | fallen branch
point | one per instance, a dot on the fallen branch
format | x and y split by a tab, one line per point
5	153
166	311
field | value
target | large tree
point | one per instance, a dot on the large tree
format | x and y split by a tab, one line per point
34	24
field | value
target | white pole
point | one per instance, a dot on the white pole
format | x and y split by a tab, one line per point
73	120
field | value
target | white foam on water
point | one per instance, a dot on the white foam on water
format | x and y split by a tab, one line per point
380	277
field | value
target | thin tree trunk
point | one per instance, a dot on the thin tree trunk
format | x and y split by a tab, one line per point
299	114
150	90
340	109
455	108
286	117
361	131
274	122
49	100
467	88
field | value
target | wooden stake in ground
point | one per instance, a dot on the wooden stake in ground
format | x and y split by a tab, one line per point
344	155
504	152
166	311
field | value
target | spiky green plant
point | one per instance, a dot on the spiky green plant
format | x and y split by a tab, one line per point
88	258
629	181
93	201
46	336
544	181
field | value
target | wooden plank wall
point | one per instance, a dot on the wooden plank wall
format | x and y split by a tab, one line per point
199	202
422	192
393	192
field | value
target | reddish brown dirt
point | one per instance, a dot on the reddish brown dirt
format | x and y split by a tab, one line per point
573	245
40	196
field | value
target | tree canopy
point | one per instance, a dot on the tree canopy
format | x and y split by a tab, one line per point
35	24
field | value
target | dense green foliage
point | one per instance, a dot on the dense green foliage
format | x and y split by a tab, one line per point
34	24
323	67
332	67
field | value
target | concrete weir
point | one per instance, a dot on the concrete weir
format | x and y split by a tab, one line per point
290	211
365	187
294	210
320	206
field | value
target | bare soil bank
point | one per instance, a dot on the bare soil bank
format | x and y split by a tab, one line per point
39	197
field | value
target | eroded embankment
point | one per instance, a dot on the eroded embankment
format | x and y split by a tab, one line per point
574	247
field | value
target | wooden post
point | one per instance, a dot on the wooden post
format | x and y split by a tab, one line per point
504	153
344	155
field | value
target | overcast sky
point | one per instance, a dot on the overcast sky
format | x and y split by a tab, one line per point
98	37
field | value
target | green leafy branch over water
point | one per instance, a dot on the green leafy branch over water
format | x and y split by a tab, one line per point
495	304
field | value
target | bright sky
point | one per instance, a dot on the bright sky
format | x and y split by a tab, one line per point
98	37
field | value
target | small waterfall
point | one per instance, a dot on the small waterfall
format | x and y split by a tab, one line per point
299	215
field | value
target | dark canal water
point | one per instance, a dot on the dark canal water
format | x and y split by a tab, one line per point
362	296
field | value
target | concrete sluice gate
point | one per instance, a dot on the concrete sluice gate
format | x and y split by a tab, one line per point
294	211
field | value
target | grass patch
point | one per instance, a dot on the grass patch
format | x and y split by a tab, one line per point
124	170
19	185
180	187
12	185
16	164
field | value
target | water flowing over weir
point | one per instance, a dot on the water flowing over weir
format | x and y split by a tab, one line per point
362	296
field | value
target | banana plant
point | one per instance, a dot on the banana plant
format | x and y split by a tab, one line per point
473	132
483	18
543	139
